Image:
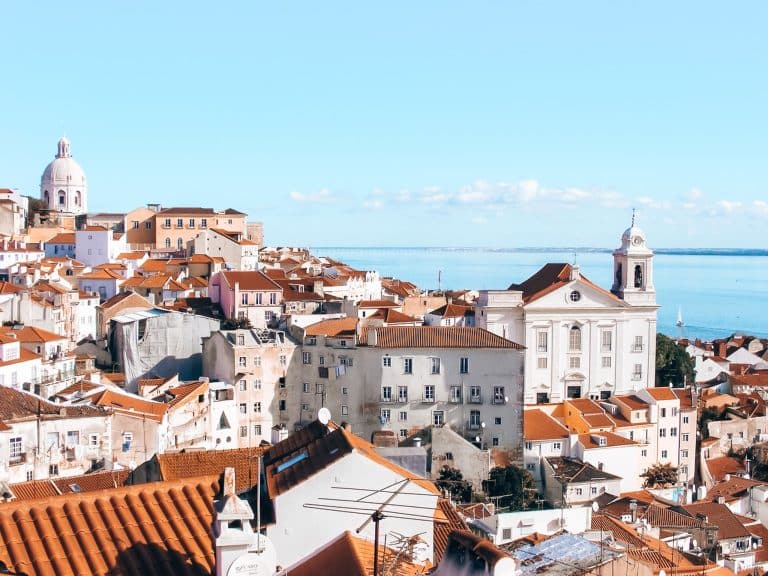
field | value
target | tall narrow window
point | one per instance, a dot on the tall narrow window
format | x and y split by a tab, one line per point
574	339
541	341
607	340
464	365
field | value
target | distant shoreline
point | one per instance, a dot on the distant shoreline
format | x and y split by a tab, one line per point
535	250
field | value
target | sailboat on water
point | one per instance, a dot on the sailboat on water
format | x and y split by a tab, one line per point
679	317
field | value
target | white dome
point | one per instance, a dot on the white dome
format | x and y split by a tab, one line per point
633	232
63	186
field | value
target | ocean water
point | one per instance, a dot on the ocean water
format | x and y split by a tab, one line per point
718	292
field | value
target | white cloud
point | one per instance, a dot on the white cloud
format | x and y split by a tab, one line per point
694	195
729	206
761	207
319	197
374	204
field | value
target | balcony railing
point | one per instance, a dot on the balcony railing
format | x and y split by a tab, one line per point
428	400
475	399
16	459
499	400
455	399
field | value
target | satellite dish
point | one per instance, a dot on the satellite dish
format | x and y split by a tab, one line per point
595	506
324	415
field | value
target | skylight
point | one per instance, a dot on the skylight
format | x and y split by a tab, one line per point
290	462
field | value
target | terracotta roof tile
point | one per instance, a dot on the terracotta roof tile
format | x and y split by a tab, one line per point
334	327
149	529
539	425
662	393
181	465
70	484
612	440
719	467
129	404
377	304
252	280
728	525
436	337
32	334
548	279
63	238
100	275
351	555
441	531
633	402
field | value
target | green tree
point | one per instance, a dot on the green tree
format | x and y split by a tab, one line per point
452	481
660	476
512	487
672	363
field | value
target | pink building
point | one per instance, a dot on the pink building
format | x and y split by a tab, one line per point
250	295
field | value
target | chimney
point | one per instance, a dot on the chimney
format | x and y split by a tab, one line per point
417	441
239	550
372	336
575	272
722	349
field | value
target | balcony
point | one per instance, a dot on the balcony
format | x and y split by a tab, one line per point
428	399
475	399
638	348
455	399
473	425
499	400
17	459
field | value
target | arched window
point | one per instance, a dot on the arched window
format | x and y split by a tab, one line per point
167	242
618	275
62	198
179	243
638	276
46	197
574	339
77	198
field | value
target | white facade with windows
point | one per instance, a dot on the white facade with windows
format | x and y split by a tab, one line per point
581	340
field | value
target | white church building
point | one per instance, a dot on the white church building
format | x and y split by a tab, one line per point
582	341
63	187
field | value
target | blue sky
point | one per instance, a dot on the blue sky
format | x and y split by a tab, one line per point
519	123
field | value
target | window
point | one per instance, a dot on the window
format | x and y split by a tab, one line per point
148	225
594	490
455	394
319	388
662	432
684	437
305	387
16	450
663	453
257	360
244	298
529	446
495	441
241	340
191	222
167	242
402	416
344	391
241	361
606	340
257	384
281	405
243	386
474	395
386	394
243	431
574	362
408	365
179	222
637	373
575	296
257	407
283	359
557	446
578	491
606	361
643	453
663	412
135	224
305	407
257	298
204	223
541	362
530	467
474	420
384	415
573	392
685	419
53	470
498	395
344	410
464	365
403	433
73	438
674	412
402	393
673	431
306	357
542	341
243	408
683	453
638	345
273	298
574	339
127	441
435	365
429	393
93	440
386	361
438	417
542	398
257	429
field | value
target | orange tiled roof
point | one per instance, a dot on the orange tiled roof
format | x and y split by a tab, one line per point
441	531
351	555
70	484
181	465
251	280
155	265
538	425
436	337
100	275
149	529
32	334
377	304
662	393
62	238
185	392
19	405
322	448
611	440
719	467
24	356
548	279
728	525
633	402
130	404
334	327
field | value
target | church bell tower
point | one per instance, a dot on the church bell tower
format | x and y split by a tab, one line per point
633	268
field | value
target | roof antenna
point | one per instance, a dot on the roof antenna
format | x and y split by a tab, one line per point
633	217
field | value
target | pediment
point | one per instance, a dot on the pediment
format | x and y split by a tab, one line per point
589	296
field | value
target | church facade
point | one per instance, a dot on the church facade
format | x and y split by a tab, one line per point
582	341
